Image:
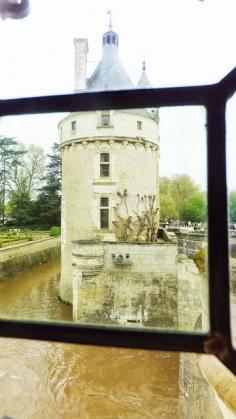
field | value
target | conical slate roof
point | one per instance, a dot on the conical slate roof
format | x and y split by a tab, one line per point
109	73
144	82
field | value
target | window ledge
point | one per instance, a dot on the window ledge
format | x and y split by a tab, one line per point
106	126
104	182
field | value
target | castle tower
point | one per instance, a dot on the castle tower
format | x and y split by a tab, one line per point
103	155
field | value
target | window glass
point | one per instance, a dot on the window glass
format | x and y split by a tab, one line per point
104	220
104	165
104	170
104	202
144	228
104	158
105	120
73	125
139	124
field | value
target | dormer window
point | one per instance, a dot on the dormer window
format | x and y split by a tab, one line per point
73	125
139	124
104	165
105	120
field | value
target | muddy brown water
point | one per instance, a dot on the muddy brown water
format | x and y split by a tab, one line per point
41	380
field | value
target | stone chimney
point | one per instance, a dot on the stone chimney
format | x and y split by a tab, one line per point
81	50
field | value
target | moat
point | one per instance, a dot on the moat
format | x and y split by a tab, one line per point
57	380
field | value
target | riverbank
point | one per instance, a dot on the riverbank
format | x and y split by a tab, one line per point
20	258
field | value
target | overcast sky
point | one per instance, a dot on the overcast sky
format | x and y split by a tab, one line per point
184	42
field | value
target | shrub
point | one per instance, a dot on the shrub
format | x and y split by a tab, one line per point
55	231
30	238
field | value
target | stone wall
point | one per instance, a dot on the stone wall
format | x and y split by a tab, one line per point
192	296
141	290
21	257
196	397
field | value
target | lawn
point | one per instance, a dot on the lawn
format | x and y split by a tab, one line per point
13	237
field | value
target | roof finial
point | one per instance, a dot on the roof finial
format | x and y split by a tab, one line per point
144	64
110	22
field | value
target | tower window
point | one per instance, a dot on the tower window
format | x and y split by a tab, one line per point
104	213
73	125
104	165
139	124
105	120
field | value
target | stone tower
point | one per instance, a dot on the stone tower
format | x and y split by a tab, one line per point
110	159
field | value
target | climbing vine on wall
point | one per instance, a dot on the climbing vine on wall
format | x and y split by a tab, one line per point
140	224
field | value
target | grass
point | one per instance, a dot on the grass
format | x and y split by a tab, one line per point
12	238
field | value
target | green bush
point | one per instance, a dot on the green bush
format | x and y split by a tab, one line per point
55	231
30	238
4	228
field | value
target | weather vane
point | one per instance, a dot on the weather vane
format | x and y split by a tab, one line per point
110	23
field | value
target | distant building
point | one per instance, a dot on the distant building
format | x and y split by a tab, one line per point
110	161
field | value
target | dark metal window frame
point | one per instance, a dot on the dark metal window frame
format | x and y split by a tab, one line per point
218	340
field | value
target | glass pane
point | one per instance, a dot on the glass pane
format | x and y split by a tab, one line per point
105	120
104	222
104	170
231	184
104	157
42	63
139	262
104	202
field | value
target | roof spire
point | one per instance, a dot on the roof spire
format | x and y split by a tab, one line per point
110	21
144	81
144	64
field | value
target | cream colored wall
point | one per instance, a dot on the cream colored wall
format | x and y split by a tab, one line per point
133	166
122	124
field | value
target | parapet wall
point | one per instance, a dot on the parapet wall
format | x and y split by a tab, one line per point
21	257
138	289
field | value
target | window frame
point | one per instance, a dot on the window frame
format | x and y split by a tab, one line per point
103	119
104	207
104	164
218	340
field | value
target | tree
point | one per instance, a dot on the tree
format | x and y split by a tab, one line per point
195	209
9	157
22	208
182	189
167	207
232	206
175	193
26	174
49	199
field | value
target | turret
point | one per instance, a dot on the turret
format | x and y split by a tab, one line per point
144	82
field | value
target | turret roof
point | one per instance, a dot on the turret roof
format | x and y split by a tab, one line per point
109	73
144	82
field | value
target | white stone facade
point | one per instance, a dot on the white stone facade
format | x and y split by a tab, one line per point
131	139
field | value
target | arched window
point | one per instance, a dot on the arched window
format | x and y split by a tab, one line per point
104	165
